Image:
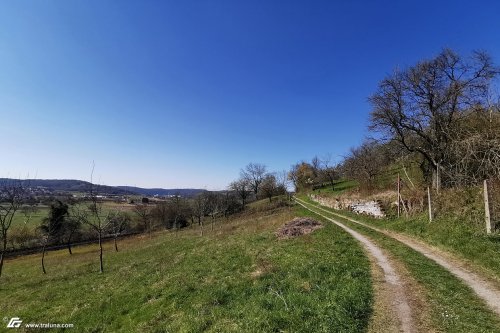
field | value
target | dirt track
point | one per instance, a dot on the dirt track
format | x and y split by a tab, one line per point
393	283
484	289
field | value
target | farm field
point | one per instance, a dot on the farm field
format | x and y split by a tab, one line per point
24	230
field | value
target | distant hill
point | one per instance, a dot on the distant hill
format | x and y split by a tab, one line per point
69	185
73	185
185	192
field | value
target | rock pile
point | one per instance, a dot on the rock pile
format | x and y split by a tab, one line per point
369	207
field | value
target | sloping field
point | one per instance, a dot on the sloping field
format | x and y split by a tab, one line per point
238	277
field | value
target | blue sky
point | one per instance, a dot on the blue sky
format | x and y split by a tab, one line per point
185	93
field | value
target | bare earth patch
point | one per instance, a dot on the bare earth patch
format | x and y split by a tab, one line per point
297	227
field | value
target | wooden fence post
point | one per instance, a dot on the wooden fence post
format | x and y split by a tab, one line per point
429	203
399	195
487	216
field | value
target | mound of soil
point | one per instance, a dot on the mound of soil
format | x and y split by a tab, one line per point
297	227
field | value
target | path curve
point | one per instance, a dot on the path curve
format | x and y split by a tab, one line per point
400	302
485	290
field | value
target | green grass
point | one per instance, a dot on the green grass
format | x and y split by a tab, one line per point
340	187
448	232
237	278
30	221
451	234
453	306
23	231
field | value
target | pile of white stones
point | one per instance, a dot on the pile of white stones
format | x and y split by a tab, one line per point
370	207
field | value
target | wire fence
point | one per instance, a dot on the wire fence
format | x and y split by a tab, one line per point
477	204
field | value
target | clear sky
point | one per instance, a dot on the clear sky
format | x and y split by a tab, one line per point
185	93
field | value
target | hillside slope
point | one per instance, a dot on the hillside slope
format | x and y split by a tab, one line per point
236	278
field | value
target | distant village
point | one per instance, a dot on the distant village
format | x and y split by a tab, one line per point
41	194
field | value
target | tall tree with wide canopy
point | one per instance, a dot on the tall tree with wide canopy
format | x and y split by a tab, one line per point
254	174
421	106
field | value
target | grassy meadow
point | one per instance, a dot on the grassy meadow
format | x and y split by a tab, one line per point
238	277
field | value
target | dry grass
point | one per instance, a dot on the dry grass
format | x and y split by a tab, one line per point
297	227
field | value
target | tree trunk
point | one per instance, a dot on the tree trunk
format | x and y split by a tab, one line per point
1	262
4	248
201	228
101	268
43	258
69	244
436	177
116	245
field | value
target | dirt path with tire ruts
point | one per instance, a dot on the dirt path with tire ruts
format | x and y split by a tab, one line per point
391	289
488	291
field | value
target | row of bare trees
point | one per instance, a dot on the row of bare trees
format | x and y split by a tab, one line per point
92	219
318	172
68	219
255	182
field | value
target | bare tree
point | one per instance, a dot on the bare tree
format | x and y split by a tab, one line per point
199	208
12	193
329	171
420	107
28	209
71	229
253	174
143	213
173	214
118	223
180	211
316	166
474	155
365	162
228	203
282	181
269	186
242	187
293	175
96	218
213	206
